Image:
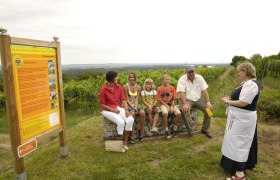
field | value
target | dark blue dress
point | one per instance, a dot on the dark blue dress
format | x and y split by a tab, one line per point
232	166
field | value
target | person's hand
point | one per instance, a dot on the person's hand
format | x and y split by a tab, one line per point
150	108
168	108
209	105
186	108
135	110
127	113
116	111
171	109
225	99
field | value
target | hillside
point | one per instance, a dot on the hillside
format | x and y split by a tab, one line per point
179	158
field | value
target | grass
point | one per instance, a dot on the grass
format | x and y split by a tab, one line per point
223	86
272	83
179	158
3	122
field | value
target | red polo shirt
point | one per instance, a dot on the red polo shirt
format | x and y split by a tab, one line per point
111	98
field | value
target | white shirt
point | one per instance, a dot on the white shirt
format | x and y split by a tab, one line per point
192	89
148	93
248	92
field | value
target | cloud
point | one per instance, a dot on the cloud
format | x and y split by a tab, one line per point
145	31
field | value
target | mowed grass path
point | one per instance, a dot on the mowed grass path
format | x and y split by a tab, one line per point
179	158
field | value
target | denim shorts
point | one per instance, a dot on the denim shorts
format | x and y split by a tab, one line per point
138	108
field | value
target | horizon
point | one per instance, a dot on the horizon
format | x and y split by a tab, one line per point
169	31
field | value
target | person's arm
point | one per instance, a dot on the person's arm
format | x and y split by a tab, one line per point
102	101
236	103
124	104
181	89
162	102
185	106
106	108
160	99
206	98
155	100
137	97
144	100
125	90
172	106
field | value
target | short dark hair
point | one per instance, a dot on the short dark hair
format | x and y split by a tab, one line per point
110	76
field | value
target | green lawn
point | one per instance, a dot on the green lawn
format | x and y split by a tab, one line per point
3	122
179	158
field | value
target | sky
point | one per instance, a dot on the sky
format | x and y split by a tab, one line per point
148	31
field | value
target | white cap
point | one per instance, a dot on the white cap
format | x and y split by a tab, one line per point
190	68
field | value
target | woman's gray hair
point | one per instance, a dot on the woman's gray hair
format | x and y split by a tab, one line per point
248	68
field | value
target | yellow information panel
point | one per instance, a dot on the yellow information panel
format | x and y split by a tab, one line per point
35	73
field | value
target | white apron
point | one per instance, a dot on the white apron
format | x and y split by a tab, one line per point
239	133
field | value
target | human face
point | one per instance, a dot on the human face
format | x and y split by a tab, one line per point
242	75
131	79
190	75
148	86
116	80
165	81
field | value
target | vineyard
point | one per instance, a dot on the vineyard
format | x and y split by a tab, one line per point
84	92
81	91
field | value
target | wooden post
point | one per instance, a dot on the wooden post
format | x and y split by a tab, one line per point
10	99
62	134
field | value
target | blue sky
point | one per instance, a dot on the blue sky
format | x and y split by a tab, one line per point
148	31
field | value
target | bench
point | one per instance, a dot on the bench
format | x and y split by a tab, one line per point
110	129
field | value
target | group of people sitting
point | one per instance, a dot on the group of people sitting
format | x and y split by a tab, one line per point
121	104
239	148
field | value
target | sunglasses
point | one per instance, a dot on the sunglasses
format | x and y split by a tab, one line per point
190	72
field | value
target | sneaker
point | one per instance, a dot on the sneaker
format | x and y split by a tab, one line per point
147	131
174	133
131	140
167	135
125	147
206	134
141	138
154	130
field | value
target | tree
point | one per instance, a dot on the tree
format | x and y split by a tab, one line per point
236	60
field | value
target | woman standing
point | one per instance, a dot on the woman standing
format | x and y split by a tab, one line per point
113	102
240	140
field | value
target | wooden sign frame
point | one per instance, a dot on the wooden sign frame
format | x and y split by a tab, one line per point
11	98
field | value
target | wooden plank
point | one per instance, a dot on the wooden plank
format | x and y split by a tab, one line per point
10	99
32	42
